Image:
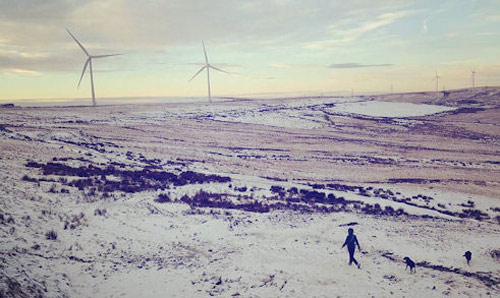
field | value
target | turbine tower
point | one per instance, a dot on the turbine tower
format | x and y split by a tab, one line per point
473	78
207	66
89	63
436	78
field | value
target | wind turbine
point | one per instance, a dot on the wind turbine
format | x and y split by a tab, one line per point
473	77
437	81
207	66
89	63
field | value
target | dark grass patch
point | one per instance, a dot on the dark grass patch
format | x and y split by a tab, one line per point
163	198
467	110
100	212
29	179
51	235
302	201
2	128
413	180
74	221
348	224
473	213
484	277
215	200
94	178
275	178
387	194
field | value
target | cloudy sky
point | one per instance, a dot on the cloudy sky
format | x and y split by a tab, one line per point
266	45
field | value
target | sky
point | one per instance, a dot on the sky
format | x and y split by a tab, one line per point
267	46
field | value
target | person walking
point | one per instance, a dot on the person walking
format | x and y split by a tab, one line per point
351	241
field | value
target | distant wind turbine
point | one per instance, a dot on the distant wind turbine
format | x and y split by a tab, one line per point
89	63
436	78
473	77
207	66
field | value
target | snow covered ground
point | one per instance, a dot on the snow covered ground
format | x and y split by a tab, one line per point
308	114
289	177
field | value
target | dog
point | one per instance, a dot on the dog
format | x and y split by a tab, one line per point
468	256
409	264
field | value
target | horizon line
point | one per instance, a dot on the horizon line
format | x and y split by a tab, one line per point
304	92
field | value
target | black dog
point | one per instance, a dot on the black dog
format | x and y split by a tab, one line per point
468	256
409	263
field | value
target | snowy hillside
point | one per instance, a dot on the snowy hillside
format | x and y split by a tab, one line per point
249	199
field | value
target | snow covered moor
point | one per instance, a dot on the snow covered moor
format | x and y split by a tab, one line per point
253	197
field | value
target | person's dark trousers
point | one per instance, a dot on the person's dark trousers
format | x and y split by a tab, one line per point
351	256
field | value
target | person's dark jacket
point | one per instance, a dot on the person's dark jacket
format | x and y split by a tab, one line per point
351	241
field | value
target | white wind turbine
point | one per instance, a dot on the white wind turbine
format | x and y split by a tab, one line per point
207	66
436	78
89	63
473	77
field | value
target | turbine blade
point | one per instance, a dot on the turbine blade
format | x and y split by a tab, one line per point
83	72
201	69
204	52
213	67
81	46
102	56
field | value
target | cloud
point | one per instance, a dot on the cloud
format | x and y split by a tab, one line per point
488	33
357	65
152	24
14	59
33	32
281	65
460	62
30	29
493	18
354	31
382	20
20	71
